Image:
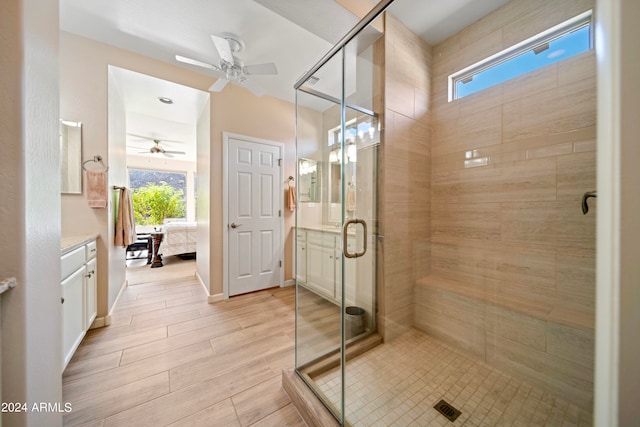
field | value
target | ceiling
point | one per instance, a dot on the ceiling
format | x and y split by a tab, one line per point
294	34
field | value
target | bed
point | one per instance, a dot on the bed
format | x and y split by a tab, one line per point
179	238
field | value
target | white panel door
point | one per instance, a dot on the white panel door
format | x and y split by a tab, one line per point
255	245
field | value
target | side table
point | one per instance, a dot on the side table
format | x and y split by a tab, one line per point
156	260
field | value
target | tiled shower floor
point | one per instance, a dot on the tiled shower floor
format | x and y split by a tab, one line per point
397	384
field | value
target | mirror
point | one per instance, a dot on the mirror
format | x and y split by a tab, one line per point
70	157
308	180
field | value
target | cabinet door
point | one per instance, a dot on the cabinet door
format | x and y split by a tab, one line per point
349	275
90	305
320	270
72	313
301	259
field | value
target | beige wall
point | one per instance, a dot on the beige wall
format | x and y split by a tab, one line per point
311	142
30	209
617	381
627	65
203	199
512	256
84	64
116	159
406	173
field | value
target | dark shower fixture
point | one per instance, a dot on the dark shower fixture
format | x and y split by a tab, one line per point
585	196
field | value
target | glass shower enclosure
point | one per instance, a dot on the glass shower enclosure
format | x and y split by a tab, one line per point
444	266
337	231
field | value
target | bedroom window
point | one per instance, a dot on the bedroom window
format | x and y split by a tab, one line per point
157	195
567	39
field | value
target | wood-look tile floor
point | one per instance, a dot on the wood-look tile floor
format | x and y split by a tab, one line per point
170	358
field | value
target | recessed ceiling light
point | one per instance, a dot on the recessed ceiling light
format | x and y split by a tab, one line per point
165	100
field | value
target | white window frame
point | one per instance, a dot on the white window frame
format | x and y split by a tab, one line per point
577	22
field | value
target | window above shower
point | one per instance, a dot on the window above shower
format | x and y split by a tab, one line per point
563	41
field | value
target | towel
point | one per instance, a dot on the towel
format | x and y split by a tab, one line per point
125	226
351	199
97	189
291	197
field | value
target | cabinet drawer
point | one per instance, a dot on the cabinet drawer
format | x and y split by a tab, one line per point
92	250
326	240
72	261
301	236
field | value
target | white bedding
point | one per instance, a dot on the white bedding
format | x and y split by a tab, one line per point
179	238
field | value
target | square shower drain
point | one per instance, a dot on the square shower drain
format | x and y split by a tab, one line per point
447	410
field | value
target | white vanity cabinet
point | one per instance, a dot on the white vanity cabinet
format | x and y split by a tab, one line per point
78	295
91	297
301	256
320	264
349	272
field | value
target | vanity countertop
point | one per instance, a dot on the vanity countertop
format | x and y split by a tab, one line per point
69	243
327	229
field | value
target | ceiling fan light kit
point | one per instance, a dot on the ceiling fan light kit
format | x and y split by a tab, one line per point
231	68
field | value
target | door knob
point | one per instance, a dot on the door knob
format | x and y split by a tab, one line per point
234	225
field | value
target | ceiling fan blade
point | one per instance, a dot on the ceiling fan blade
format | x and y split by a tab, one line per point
218	85
222	45
257	90
159	140
166	154
174	152
269	68
141	136
197	63
170	141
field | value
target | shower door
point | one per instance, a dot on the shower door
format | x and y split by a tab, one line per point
338	139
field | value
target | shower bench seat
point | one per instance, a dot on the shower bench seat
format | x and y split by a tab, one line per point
547	306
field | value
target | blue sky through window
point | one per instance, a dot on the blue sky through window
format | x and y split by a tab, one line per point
567	45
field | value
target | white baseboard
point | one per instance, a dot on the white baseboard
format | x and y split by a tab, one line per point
210	298
101	322
289	282
202	283
215	298
107	319
124	286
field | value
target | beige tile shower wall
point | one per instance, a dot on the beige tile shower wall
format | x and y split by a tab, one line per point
512	256
406	174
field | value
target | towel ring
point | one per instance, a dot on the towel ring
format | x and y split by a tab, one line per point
95	159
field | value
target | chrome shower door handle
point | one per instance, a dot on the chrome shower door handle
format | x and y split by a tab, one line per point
345	249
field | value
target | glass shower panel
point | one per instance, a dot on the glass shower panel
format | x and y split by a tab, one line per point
361	149
318	230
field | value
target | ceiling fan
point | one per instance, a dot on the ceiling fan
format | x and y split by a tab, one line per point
157	148
231	68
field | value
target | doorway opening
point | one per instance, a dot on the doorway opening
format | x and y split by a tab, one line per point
159	135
